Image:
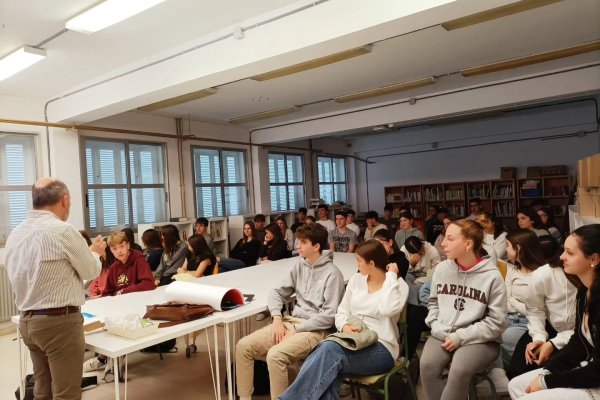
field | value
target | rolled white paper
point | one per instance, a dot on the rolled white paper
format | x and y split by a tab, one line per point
198	293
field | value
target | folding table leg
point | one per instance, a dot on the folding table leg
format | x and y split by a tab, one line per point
217	362
228	362
116	372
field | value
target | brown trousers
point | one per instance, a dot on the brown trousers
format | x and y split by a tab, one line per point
56	345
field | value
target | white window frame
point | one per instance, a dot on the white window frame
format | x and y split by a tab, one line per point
222	185
30	154
287	184
333	183
128	185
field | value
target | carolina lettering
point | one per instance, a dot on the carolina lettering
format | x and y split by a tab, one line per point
462	291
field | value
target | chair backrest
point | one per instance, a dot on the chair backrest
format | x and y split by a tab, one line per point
403	330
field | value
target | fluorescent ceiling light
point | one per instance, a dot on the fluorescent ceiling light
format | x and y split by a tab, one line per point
534	59
264	115
19	60
367	94
108	13
184	98
319	62
494	13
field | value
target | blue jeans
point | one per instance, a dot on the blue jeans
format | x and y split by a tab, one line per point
320	377
230	264
517	326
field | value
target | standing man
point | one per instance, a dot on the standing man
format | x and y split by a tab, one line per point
341	238
47	260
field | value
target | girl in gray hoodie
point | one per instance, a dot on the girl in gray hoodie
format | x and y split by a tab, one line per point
467	314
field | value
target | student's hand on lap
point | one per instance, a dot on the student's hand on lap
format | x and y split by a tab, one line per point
393	267
288	333
349	329
532	351
544	353
277	330
449	345
157	282
534	386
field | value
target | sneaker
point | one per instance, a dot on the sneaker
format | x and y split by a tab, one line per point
345	390
94	364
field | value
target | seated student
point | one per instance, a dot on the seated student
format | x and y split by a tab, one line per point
406	229
174	255
447	220
287	233
422	257
395	256
350	215
527	218
387	219
550	310
98	285
201	228
474	208
130	272
200	260
574	373
245	253
342	239
259	225
323	214
495	235
434	225
524	257
153	249
131	238
373	224
467	314
318	285
376	297
302	211
548	223
416	223
274	247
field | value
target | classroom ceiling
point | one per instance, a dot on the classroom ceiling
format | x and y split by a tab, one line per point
432	51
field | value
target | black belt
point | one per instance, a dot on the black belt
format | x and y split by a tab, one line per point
53	311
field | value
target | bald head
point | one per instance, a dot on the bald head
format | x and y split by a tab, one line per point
48	192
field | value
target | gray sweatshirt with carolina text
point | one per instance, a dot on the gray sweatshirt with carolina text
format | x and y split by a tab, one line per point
319	289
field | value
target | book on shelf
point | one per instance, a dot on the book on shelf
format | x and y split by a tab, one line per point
434	194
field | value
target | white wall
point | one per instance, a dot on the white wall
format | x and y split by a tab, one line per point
478	162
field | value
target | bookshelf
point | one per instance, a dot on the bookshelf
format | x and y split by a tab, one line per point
217	227
553	189
497	196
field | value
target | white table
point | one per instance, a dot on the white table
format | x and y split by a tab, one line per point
258	280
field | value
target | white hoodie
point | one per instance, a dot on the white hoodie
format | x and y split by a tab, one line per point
469	306
551	296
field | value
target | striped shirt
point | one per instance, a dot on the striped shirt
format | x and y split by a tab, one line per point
47	260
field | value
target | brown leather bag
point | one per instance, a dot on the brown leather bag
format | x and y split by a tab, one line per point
177	313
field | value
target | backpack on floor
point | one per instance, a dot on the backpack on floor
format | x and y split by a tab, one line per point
261	383
167	346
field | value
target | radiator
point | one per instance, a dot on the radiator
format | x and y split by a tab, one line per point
7	303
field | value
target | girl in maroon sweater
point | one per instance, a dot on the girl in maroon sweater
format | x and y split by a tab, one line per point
130	272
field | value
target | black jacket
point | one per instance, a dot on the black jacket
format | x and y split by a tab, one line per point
246	251
274	251
565	367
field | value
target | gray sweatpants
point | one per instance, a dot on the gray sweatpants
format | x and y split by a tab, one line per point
466	362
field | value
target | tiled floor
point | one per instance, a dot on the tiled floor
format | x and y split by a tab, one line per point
175	377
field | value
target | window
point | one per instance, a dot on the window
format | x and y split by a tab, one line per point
17	174
287	182
118	196
332	179
219	182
